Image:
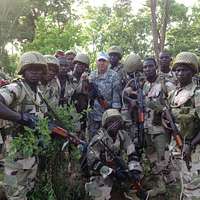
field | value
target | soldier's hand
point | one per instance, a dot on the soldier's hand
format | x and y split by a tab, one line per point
28	120
84	76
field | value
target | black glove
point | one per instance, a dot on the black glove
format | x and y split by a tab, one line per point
120	174
135	175
28	120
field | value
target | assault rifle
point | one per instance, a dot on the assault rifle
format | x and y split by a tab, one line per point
96	94
171	125
119	162
135	84
59	130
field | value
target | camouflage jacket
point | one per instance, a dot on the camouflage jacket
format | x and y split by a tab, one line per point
97	152
122	74
185	103
51	91
109	86
21	98
154	106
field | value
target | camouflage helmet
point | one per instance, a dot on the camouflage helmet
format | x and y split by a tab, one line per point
52	60
115	49
32	58
133	63
70	52
186	58
83	58
108	114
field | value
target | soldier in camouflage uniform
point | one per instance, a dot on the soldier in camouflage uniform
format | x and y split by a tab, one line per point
132	64
115	53
70	55
50	86
104	171
66	82
18	102
107	82
156	138
185	104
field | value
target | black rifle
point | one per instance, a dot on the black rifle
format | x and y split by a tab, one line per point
140	137
96	94
119	162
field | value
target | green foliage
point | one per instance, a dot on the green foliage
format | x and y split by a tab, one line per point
51	37
31	142
68	117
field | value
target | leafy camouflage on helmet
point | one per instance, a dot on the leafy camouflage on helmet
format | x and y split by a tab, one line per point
108	114
83	58
52	60
115	49
133	63
32	58
186	58
70	52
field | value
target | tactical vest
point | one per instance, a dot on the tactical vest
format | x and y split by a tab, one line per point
184	110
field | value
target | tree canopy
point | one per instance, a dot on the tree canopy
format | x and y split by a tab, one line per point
48	25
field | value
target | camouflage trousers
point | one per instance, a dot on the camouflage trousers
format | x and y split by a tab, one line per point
190	179
19	177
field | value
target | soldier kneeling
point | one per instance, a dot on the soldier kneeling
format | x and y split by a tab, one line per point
104	160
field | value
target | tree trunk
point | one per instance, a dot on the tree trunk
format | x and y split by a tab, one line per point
164	21
153	5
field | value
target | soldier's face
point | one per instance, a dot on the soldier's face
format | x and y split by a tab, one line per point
149	68
184	74
52	72
102	66
64	69
114	59
165	59
33	74
70	59
80	67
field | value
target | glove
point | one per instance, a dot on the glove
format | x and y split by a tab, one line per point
135	175
120	174
28	120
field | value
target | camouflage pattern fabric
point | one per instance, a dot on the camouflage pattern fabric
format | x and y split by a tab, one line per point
98	187
109	86
185	103
20	174
51	91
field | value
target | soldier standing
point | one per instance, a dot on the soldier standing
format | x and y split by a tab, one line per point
106	87
185	105
50	86
165	60
156	138
66	82
103	168
18	102
70	55
115	54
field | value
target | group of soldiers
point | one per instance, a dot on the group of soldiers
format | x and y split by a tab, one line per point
143	120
